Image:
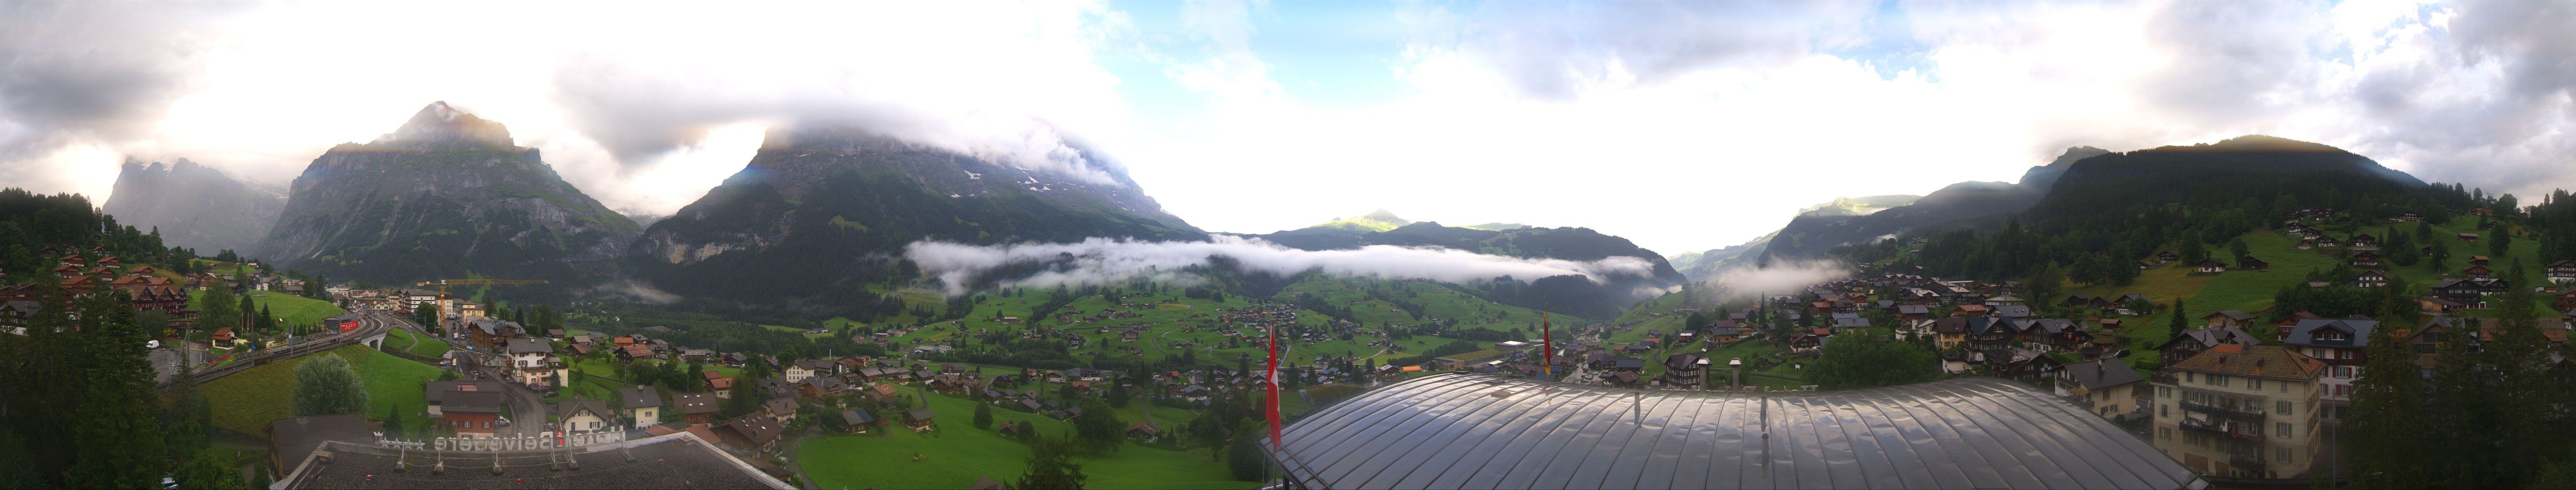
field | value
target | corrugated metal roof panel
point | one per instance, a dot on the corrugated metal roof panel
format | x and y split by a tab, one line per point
1480	431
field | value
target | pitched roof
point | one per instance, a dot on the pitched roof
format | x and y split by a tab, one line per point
472	402
695	403
2256	361
2103	373
578	404
530	345
2304	333
639	397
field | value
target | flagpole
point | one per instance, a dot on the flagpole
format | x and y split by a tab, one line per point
1547	346
1273	403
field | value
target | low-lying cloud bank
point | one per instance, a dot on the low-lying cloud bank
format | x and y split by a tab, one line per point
1779	278
1103	261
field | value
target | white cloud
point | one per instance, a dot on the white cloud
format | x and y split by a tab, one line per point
1104	261
1682	126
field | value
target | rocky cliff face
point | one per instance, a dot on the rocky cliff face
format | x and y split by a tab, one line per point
443	196
818	213
192	205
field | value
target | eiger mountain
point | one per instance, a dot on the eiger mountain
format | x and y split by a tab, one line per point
193	205
1571	294
446	195
1809	236
821	213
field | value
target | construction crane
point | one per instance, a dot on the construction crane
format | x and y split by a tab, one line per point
444	283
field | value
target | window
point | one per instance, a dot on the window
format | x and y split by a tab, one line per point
2281	454
2165	433
2282	428
2251	383
2218	380
2284	406
2164	411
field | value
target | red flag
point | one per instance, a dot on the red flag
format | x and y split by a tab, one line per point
1548	345
1273	403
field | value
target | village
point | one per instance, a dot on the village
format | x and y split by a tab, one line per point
505	389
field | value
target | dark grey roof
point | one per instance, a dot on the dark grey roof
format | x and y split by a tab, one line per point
530	345
639	397
2099	374
577	404
2305	332
1476	431
472	401
671	461
436	391
856	417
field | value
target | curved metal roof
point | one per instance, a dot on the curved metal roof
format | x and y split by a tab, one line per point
1479	431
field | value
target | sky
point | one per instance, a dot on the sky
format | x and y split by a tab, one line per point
1681	126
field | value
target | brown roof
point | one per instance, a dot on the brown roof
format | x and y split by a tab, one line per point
2259	361
694	404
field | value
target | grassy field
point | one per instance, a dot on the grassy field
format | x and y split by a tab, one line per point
958	453
296	310
244	402
416	344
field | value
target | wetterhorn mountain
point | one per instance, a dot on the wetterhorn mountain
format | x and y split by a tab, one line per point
444	196
192	205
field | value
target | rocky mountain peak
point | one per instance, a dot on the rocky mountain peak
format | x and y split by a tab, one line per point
442	125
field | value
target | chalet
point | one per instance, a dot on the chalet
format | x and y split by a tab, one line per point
857	421
2479	260
800	370
2477	272
2023	364
2305	244
2328	242
2337	341
2107	387
471	413
2468	237
635	351
751	433
641	404
494	334
821	386
2191	343
1729	335
781	410
1986	333
2250	263
2408	217
2369	279
2167	257
2210	266
2365	259
2436	304
532	361
583	415
2562	272
1849	320
696	408
1968	311
919	418
2365	242
2462	291
1685	369
2227	318
435	392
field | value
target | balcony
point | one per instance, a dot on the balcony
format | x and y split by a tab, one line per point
2208	428
2247	412
2249	463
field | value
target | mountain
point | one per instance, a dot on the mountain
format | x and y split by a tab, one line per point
1809	236
816	216
447	195
193	205
1703	265
1571	294
1379	220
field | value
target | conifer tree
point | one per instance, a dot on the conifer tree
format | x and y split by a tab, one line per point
2388	416
118	439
